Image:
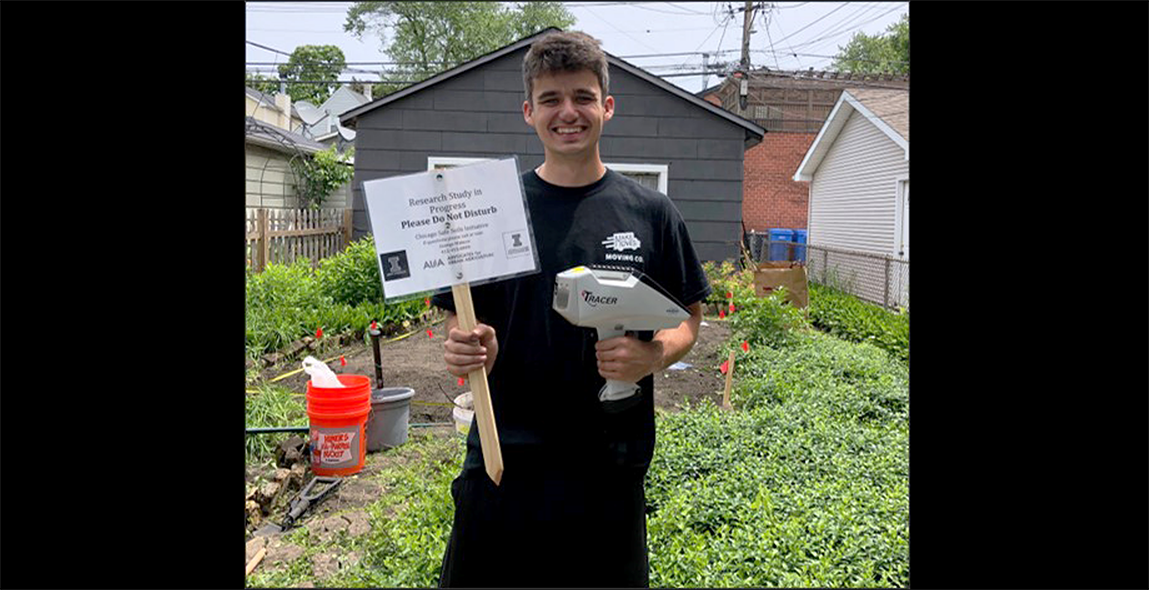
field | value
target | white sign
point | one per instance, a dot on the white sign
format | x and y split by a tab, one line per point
452	226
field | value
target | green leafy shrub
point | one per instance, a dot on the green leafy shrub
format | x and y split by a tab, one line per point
805	485
281	305
321	174
726	278
288	302
352	276
769	320
848	317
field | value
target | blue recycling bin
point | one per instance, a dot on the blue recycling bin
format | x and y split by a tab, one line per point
779	248
800	251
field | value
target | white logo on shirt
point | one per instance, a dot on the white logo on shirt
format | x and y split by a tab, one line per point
622	241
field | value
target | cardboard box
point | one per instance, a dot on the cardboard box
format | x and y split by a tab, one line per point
792	275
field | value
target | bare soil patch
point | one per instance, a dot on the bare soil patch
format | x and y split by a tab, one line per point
415	360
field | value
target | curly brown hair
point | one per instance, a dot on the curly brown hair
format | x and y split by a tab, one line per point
565	51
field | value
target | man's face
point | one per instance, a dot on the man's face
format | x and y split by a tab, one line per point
568	112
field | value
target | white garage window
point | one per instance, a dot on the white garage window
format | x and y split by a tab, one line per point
438	163
649	175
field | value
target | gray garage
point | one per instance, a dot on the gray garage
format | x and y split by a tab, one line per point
661	135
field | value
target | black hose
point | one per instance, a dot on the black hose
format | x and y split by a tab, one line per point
278	429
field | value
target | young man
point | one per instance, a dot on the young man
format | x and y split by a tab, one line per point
570	509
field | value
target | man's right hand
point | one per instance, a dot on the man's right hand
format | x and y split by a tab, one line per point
469	351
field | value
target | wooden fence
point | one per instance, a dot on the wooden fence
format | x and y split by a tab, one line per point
284	235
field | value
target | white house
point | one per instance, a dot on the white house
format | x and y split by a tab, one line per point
326	129
859	173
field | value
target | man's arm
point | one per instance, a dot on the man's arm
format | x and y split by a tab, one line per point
628	359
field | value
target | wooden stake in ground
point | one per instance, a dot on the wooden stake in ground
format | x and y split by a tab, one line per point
255	560
484	411
729	375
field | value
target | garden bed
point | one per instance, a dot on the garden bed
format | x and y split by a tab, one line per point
412	359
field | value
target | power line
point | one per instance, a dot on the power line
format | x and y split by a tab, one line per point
267	48
852	29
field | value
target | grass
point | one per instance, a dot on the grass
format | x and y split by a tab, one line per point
271	405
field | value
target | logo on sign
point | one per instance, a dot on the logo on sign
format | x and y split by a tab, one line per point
516	243
395	265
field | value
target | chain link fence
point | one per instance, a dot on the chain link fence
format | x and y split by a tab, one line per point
876	278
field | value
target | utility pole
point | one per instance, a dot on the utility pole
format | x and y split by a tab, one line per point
744	65
705	69
747	18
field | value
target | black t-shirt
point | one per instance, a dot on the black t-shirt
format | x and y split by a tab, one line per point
545	383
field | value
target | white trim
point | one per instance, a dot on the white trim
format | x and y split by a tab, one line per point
662	170
900	182
832	120
449	161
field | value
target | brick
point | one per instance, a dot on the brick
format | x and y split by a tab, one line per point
770	197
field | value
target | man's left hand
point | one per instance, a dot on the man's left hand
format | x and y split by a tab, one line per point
627	359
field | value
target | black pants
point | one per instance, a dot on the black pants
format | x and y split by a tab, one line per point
547	526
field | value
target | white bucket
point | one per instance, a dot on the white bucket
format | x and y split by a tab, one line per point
463	417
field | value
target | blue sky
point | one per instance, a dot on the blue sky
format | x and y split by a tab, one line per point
812	30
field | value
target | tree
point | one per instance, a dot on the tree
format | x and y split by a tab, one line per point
313	62
264	84
430	37
320	175
888	52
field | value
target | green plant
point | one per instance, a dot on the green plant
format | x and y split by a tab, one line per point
352	276
281	305
410	524
805	485
321	174
270	406
725	278
287	302
848	317
769	320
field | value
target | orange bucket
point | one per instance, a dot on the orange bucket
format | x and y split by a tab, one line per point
338	417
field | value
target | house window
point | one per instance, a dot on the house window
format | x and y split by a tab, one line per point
439	163
650	175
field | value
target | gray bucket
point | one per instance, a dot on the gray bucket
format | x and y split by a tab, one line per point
387	422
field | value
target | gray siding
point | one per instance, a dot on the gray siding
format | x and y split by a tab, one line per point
479	114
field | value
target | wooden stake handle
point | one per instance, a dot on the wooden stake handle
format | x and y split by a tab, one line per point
255	560
484	411
729	377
